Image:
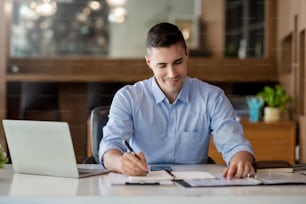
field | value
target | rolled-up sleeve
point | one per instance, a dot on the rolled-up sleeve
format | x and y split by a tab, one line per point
227	132
118	128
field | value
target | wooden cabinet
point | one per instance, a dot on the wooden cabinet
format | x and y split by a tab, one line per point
269	140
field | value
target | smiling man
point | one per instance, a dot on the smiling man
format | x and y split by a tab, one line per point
170	117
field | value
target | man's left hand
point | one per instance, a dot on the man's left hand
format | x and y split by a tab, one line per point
240	166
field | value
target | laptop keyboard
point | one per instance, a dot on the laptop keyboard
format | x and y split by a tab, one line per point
85	171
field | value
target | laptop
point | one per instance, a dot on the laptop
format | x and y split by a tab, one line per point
43	148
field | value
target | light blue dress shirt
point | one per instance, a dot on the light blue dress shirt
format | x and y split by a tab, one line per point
177	133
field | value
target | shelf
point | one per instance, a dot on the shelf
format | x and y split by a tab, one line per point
119	70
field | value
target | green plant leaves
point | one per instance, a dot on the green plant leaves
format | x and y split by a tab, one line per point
275	97
3	158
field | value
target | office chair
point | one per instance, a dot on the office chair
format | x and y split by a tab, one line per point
37	97
98	119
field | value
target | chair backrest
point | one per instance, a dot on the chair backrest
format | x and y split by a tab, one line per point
98	119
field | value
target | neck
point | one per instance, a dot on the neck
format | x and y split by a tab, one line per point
171	97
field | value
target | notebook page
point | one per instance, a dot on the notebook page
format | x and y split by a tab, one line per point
152	176
221	181
192	175
120	179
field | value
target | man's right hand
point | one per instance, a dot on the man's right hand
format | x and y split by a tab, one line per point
128	163
134	164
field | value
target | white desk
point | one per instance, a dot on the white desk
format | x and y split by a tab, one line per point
22	188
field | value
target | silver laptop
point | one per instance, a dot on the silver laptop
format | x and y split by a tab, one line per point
44	148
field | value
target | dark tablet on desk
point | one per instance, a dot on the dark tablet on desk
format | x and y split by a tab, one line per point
161	167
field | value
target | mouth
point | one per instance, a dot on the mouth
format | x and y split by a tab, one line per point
173	81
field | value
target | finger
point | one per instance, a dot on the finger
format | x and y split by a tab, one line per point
239	170
231	172
136	163
129	165
139	160
225	172
143	164
246	172
251	172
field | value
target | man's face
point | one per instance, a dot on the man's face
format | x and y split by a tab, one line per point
169	65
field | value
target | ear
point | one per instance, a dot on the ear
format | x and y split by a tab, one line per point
187	52
148	60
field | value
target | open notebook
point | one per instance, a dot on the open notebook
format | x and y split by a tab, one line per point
162	177
206	179
43	148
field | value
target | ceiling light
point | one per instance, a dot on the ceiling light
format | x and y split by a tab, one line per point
94	5
28	13
116	2
46	8
117	15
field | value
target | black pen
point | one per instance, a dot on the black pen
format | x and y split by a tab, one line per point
130	149
128	146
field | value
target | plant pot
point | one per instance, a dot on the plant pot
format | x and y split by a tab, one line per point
272	114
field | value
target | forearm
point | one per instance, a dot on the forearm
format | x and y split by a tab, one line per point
112	160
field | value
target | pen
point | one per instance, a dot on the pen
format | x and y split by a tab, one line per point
128	146
130	149
149	184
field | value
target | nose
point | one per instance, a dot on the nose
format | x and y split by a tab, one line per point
171	72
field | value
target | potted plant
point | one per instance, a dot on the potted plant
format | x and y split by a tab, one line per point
275	99
3	157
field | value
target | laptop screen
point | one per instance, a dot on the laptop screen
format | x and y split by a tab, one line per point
41	147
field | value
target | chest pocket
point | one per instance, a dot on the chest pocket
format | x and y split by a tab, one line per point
192	146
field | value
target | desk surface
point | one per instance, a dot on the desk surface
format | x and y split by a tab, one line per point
22	188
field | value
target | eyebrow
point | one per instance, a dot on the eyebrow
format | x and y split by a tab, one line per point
179	59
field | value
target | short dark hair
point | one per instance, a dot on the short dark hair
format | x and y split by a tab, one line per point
164	35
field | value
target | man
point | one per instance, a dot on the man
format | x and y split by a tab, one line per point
169	118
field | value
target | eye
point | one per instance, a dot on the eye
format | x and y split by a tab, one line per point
179	61
161	65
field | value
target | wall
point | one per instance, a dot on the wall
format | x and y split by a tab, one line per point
291	29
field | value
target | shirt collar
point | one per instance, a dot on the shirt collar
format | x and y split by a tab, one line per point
184	93
160	96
